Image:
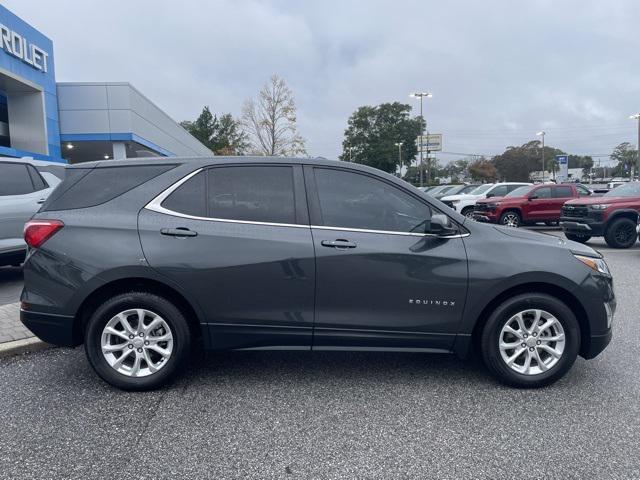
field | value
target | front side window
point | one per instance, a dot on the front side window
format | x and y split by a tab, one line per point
544	192
499	191
14	179
582	191
352	200
252	193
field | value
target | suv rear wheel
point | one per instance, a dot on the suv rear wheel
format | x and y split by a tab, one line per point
137	341
621	233
530	340
577	237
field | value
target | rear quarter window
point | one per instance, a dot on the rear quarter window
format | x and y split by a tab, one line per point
84	188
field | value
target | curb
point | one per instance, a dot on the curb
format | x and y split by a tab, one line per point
26	345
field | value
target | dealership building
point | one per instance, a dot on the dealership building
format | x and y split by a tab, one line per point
75	122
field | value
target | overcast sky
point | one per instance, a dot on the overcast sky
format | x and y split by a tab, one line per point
499	70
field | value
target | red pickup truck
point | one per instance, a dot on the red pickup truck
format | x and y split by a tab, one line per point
529	204
613	215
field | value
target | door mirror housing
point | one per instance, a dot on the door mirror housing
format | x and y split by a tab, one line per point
533	197
489	195
441	225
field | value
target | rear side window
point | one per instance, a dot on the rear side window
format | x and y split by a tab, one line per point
14	179
38	181
562	192
88	188
251	193
190	197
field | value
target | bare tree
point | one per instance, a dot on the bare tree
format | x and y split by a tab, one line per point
270	120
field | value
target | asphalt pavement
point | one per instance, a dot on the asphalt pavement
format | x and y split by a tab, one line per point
330	415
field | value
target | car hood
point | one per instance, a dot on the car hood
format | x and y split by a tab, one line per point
595	200
546	238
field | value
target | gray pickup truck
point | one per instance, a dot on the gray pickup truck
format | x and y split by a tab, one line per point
24	185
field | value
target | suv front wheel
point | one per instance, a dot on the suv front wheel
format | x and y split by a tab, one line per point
530	340
621	233
137	341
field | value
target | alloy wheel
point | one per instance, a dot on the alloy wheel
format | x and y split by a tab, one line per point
531	342
624	233
137	342
511	220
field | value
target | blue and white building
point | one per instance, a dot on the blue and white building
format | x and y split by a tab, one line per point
74	122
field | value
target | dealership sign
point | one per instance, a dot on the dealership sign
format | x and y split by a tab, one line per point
563	163
18	46
429	143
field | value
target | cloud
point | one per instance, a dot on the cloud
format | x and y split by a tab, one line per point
500	70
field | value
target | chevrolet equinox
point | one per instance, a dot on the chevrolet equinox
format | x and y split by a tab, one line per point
142	260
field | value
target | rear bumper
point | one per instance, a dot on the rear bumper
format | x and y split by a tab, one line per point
55	329
584	226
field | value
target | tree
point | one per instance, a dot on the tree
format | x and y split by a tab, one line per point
270	120
626	157
372	133
483	170
223	136
517	163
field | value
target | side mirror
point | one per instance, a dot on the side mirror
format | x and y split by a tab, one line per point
441	225
533	197
489	195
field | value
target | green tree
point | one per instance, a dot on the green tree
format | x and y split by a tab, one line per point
483	170
223	136
626	157
372	133
516	163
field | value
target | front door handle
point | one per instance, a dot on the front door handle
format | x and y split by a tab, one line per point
41	201
178	232
340	243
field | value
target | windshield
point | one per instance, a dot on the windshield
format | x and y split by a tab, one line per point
481	189
629	190
520	191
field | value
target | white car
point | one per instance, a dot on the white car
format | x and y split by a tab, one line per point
464	203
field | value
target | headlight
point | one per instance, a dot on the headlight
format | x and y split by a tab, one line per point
492	206
600	206
596	264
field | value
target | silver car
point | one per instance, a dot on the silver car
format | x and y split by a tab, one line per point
24	185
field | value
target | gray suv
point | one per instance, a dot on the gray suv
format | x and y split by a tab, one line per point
143	260
24	185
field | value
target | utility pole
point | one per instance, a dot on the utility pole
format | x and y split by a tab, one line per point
637	117
421	95
542	134
399	145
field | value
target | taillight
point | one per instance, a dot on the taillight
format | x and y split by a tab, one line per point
36	232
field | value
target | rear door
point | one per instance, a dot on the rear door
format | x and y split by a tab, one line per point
382	282
237	237
22	191
561	194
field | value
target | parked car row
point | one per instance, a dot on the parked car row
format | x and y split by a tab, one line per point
25	184
582	213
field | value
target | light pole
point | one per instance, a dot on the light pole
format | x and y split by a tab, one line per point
542	134
350	159
399	145
421	95
637	117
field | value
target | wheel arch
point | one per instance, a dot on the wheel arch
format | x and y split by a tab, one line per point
629	213
553	290
133	284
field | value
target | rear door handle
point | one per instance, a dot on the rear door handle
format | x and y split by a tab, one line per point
178	232
340	243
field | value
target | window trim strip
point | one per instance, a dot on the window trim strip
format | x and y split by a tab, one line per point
155	205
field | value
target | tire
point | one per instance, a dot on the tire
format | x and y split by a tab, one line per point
621	233
535	376
467	212
577	237
511	218
174	332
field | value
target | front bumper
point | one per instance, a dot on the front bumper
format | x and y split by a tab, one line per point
485	216
56	329
583	226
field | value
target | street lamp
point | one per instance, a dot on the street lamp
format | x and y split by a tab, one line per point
637	117
399	145
421	95
350	149
542	134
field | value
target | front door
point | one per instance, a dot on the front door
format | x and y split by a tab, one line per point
381	282
237	238
540	204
